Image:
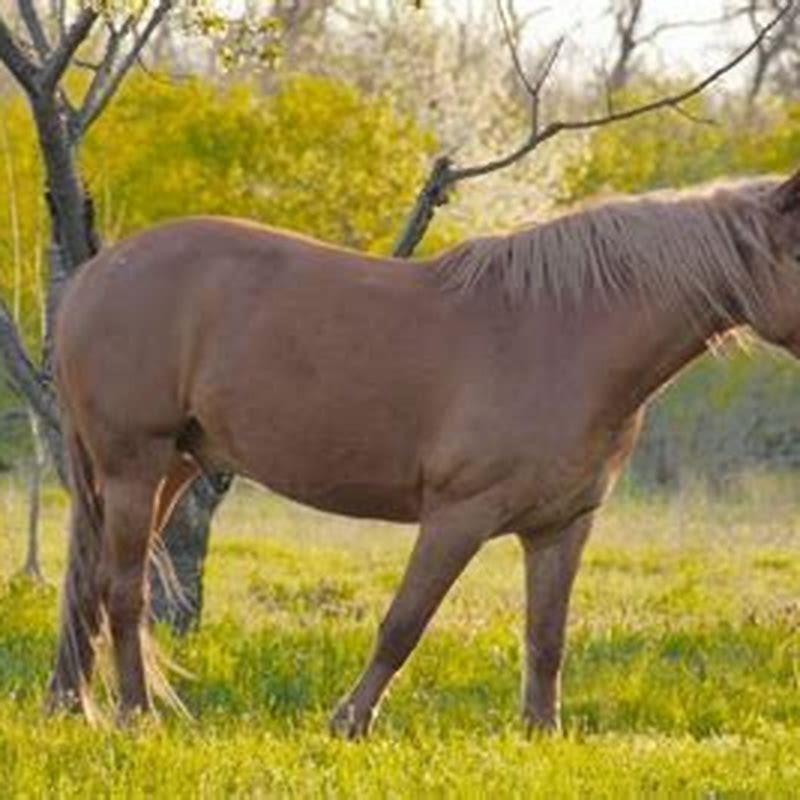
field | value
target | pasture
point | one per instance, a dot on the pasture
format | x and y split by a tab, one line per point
682	676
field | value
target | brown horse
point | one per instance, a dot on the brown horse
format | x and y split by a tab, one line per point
498	388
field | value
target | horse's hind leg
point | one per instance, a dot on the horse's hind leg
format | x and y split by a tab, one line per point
130	498
549	575
443	549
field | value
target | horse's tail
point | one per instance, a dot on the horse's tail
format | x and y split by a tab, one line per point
86	524
84	597
81	602
87	502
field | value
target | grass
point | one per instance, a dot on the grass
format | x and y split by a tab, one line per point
683	674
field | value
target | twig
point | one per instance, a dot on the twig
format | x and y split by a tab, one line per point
512	47
94	105
103	71
444	175
17	63
533	88
34	25
696	118
21	372
58	62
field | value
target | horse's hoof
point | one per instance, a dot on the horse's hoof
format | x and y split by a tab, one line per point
540	725
350	723
64	702
134	717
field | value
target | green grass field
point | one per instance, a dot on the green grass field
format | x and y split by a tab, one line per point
682	679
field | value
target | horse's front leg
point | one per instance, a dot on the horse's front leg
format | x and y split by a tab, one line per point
445	545
549	574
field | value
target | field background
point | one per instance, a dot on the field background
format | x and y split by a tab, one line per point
682	679
683	671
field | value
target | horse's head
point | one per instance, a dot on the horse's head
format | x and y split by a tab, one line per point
777	318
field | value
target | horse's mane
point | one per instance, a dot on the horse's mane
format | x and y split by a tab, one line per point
688	249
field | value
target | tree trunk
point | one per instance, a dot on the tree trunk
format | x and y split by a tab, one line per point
176	582
177	602
33	567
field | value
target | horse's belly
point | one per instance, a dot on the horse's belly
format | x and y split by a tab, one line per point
393	503
364	470
370	498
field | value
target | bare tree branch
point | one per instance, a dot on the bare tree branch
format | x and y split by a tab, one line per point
434	193
24	377
626	21
444	175
544	70
16	61
55	67
666	27
103	71
768	51
670	101
30	16
96	100
532	87
512	46
58	9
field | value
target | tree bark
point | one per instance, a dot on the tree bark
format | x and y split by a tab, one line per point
74	241
33	564
59	145
176	582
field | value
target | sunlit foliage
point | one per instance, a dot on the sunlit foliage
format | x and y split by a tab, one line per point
671	149
317	157
654	151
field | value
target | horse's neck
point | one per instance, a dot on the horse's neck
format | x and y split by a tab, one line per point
644	348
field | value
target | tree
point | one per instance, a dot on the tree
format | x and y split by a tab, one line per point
776	58
445	175
40	49
39	55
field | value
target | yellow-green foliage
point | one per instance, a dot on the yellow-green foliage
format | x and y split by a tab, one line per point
657	150
667	149
318	156
773	146
682	678
23	218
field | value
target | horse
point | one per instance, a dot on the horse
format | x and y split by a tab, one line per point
497	388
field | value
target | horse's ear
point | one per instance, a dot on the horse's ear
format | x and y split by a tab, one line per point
787	196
